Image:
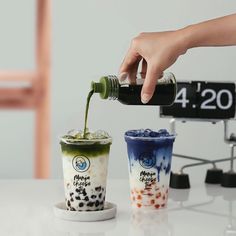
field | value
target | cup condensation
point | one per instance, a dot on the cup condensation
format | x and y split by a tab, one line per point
85	165
149	168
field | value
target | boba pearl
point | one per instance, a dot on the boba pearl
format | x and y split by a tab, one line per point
98	189
86	198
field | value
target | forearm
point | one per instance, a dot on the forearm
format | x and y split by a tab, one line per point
216	32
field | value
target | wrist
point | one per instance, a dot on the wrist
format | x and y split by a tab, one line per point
186	36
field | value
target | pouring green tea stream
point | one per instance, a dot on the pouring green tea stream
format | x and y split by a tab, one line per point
86	112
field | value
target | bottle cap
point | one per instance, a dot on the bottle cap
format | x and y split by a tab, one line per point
103	87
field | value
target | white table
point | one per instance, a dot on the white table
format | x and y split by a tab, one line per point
26	208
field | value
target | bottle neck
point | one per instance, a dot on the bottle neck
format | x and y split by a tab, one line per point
113	87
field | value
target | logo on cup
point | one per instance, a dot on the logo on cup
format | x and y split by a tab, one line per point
81	163
147	160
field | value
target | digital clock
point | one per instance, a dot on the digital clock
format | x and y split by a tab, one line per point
202	100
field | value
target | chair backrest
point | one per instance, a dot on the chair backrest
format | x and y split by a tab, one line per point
33	89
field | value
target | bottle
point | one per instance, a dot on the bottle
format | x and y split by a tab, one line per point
109	87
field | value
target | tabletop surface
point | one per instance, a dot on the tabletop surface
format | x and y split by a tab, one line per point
26	208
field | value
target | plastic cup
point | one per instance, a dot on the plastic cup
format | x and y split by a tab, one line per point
85	164
149	167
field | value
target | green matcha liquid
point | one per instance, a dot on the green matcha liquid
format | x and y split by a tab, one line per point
86	112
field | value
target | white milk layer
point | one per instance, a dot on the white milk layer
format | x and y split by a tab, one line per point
85	181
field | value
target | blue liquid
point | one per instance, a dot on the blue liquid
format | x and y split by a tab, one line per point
153	150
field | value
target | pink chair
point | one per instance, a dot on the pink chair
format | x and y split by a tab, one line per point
34	93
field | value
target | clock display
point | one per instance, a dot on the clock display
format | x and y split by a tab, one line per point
202	100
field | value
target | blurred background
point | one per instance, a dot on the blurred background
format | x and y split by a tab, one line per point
90	39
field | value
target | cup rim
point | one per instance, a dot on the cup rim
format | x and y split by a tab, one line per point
101	141
171	137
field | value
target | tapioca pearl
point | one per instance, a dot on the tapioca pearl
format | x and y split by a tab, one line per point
139	205
72	209
81	204
71	194
157	206
100	195
77	198
163	205
139	197
90	204
98	189
152	201
86	198
101	203
97	203
68	203
93	196
84	192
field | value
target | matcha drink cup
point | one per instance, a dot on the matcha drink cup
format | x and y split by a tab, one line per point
85	163
150	155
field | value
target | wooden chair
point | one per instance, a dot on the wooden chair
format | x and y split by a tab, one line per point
33	90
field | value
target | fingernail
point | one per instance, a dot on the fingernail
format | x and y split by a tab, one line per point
123	76
145	98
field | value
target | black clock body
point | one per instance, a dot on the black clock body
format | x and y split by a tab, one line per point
202	100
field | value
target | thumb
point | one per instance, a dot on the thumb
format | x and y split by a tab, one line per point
150	82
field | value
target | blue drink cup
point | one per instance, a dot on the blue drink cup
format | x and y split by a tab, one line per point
150	155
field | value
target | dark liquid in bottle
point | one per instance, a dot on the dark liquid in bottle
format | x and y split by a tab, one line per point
164	95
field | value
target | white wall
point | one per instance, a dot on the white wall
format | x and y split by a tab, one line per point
90	39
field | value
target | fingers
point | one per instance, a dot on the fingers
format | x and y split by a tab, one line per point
130	59
123	76
149	86
130	64
143	69
131	75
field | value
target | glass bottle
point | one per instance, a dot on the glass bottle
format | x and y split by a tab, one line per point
109	87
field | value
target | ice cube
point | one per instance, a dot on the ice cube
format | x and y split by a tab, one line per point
147	133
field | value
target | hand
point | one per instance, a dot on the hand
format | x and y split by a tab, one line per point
157	51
